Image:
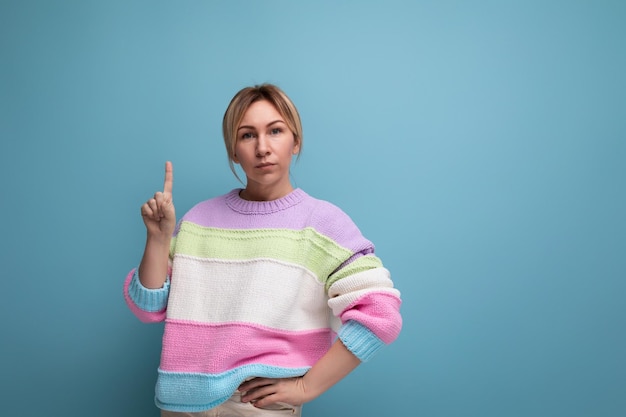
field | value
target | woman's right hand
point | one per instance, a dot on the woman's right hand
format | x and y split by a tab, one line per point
158	213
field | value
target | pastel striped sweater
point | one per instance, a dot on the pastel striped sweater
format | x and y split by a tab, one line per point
262	289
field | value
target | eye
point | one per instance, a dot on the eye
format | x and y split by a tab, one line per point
276	131
247	135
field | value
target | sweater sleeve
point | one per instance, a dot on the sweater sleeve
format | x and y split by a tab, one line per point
368	305
149	305
360	290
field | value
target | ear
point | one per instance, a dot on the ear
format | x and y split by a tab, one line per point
235	159
296	147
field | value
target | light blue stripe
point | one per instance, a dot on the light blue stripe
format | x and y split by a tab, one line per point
148	299
192	392
360	340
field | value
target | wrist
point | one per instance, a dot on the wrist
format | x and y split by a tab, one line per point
158	240
310	389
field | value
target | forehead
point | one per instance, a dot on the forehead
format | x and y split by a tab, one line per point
259	112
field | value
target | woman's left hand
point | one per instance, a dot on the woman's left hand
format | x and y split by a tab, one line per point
262	392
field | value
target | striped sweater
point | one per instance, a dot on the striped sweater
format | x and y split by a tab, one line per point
262	289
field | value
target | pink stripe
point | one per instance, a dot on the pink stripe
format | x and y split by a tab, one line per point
379	312
194	347
142	315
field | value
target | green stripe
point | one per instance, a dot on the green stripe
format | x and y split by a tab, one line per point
361	264
305	247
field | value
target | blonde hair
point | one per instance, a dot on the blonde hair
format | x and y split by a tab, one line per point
240	104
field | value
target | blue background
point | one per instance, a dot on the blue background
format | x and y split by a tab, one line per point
479	144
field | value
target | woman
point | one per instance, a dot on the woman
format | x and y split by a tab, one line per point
269	295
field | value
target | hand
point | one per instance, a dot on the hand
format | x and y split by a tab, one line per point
262	392
158	213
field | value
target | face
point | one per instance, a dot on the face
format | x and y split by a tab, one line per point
264	149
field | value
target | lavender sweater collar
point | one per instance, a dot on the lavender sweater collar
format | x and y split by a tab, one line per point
242	206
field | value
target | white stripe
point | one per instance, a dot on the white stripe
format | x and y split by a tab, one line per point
265	292
347	290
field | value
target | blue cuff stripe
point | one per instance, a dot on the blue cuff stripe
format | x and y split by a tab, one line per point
147	299
360	340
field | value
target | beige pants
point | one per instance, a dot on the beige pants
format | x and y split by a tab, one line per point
235	408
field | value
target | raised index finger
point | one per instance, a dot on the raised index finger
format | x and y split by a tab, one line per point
169	178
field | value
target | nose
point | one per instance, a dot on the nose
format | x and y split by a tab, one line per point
262	146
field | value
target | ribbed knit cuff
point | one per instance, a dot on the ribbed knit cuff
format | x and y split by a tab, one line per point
148	299
359	340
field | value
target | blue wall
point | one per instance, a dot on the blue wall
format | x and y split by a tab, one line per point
479	144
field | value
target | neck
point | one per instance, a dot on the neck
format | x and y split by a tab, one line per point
256	194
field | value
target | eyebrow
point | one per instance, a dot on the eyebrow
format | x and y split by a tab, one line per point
268	125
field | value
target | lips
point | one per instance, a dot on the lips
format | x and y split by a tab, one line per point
264	165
